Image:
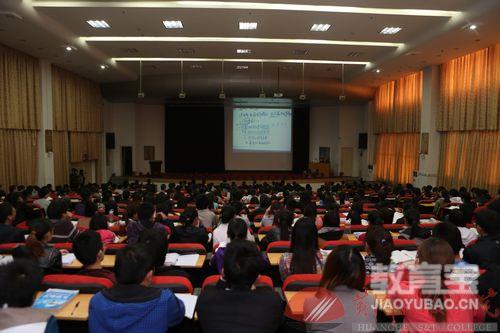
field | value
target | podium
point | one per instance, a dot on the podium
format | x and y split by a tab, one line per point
323	169
155	167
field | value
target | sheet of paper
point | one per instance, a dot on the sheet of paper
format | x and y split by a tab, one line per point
171	259
397	216
187	260
189	304
68	258
403	256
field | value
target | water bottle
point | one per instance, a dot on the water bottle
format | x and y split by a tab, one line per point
347	227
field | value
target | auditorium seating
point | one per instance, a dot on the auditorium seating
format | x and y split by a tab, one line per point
263	282
85	284
298	282
178	284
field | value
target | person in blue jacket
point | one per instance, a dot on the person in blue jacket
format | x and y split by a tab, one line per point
132	305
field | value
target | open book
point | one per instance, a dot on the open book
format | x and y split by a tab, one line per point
185	260
189	304
54	298
398	257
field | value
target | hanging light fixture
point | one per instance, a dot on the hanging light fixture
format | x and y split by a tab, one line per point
302	95
222	94
182	94
262	93
140	93
342	95
278	93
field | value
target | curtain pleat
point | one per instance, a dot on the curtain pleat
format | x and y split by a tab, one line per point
19	152
396	157
60	144
470	89
398	105
470	159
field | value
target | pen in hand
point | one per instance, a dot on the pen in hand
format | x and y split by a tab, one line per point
76	306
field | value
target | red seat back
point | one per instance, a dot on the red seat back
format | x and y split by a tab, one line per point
278	247
297	282
263	230
86	284
186	248
405	244
63	246
177	284
393	226
330	245
7	248
114	248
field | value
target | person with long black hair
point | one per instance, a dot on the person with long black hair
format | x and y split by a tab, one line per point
304	256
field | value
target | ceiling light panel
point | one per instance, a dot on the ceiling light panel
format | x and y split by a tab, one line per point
320	27
390	30
248	25
242	67
243	51
173	24
98	24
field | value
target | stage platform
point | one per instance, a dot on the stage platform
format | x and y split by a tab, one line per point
236	176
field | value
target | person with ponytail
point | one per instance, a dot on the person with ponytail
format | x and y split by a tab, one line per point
379	246
439	306
413	229
38	248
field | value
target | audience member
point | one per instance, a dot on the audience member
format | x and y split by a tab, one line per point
8	233
64	230
486	250
147	220
99	223
88	249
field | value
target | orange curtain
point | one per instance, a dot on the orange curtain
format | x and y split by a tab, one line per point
19	157
398	105
76	102
396	157
470	159
470	89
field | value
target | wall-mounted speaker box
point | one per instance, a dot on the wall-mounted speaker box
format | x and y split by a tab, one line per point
110	140
362	141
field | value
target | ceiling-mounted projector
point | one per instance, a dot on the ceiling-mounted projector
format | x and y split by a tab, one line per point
302	97
342	98
141	94
182	95
222	95
278	95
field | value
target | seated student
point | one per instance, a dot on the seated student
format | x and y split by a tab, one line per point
343	283
331	225
207	218
157	242
456	217
379	246
8	233
387	214
237	229
87	207
88	249
241	212
281	230
486	251
355	212
19	282
147	217
270	214
132	305
256	311
413	229
311	212
99	223
64	230
190	231
220	233
38	249
304	256
435	251
264	203
44	199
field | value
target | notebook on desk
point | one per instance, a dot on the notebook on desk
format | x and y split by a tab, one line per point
186	260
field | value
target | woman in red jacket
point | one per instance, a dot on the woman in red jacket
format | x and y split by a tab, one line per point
429	301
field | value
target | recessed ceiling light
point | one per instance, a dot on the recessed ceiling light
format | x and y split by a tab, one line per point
390	30
103	67
242	67
472	27
175	24
320	27
69	48
243	51
248	25
98	24
378	70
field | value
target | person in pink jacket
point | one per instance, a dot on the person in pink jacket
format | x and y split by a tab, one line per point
428	299
99	223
